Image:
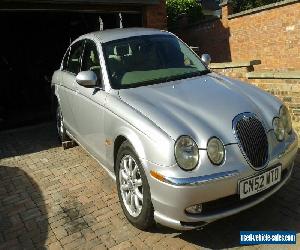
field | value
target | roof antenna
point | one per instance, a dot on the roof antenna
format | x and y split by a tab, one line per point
121	20
101	23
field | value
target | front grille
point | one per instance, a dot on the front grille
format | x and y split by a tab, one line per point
253	139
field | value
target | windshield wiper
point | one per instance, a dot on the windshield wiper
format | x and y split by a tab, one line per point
185	76
200	73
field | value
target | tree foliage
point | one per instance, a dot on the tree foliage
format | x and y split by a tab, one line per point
241	5
177	8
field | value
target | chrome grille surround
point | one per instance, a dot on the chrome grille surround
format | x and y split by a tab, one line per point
252	139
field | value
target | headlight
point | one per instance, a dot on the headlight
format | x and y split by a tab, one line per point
186	153
285	118
278	128
215	151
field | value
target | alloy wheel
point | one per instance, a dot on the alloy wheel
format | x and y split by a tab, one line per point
131	185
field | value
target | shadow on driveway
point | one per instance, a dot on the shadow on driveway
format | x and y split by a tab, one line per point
23	215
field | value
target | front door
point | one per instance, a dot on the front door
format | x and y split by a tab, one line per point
89	106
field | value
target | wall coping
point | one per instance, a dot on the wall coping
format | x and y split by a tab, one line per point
224	3
226	65
273	75
262	8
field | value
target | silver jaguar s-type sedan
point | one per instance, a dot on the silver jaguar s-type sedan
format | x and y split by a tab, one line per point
186	146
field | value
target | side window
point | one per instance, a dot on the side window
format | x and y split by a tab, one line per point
66	60
75	57
90	59
190	58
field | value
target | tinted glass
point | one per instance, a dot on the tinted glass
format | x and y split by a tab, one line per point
75	57
66	60
145	60
90	59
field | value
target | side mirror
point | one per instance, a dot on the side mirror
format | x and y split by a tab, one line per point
87	79
205	58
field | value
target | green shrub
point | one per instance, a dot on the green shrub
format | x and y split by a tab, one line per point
176	8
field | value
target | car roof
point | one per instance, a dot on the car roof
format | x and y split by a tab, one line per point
115	34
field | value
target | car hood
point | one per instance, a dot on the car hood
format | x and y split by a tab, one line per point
201	107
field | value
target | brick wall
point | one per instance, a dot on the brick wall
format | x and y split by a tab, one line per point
270	34
211	37
155	16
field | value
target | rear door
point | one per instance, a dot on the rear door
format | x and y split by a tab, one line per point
71	67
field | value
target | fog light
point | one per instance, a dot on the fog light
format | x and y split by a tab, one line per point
195	209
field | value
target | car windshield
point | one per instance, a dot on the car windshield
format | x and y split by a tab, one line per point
150	59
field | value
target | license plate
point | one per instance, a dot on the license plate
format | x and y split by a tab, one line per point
258	183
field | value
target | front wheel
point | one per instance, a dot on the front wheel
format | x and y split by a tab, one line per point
133	188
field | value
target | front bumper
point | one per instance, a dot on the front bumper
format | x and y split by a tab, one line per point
171	197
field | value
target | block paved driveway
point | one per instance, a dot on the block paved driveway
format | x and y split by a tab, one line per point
55	198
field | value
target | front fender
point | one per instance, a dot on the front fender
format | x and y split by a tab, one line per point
149	141
134	140
147	149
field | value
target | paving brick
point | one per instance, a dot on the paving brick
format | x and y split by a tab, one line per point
31	225
27	244
76	244
50	240
76	225
12	199
58	215
60	232
107	240
96	244
190	247
30	214
100	224
60	222
55	246
102	231
153	239
14	231
88	234
70	238
120	236
10	244
123	245
139	244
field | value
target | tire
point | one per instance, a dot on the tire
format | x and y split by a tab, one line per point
61	131
141	215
